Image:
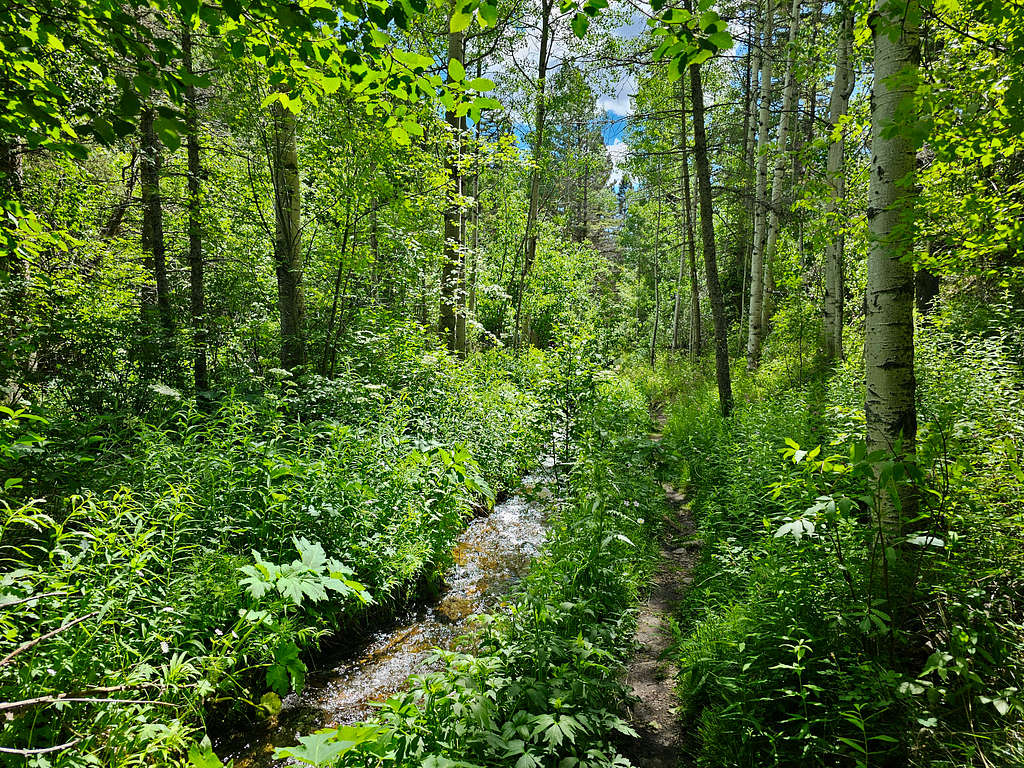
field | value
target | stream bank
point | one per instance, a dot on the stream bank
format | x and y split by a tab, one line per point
490	555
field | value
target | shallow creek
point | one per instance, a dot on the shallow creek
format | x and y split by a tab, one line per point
490	555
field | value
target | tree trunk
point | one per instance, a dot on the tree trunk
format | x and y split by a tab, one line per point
689	256
197	291
452	259
547	7
835	177
926	290
288	236
700	153
657	292
116	218
757	253
749	174
889	323
153	224
12	187
781	162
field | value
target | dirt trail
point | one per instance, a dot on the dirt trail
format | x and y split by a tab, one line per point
651	677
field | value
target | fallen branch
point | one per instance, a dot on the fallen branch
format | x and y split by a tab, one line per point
83	695
42	751
25	646
9	705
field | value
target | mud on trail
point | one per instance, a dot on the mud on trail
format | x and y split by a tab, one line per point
650	676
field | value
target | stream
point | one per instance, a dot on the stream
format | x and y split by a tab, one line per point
490	555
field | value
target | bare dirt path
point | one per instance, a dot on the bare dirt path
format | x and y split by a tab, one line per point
650	676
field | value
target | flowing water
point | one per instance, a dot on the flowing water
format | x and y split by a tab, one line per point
489	556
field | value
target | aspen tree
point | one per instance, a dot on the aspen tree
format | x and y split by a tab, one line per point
889	407
781	162
835	177
760	192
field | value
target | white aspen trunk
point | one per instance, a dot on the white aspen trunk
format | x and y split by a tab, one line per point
835	177
781	162
657	278
757	253
889	407
749	139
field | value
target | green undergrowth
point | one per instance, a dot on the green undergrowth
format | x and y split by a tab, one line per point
193	556
788	649
540	682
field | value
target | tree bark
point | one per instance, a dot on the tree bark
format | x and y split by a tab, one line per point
288	236
657	292
889	323
781	162
756	330
153	224
197	289
835	177
689	256
700	153
453	264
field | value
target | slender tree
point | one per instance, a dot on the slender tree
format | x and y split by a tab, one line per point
153	245
760	192
781	163
889	320
197	288
835	177
288	235
707	225
547	9
453	260
690	257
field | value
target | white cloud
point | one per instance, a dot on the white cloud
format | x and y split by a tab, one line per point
617	152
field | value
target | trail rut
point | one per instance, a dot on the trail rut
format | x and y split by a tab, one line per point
650	676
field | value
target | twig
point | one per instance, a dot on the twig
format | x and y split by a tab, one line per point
51	698
59	699
30	599
43	751
25	646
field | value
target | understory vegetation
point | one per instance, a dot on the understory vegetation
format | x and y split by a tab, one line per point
292	290
201	551
788	649
541	681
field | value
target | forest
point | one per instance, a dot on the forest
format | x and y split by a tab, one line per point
527	383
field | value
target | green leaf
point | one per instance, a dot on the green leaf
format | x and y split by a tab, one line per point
317	749
488	14
460	20
456	71
481	84
203	757
580	23
722	40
